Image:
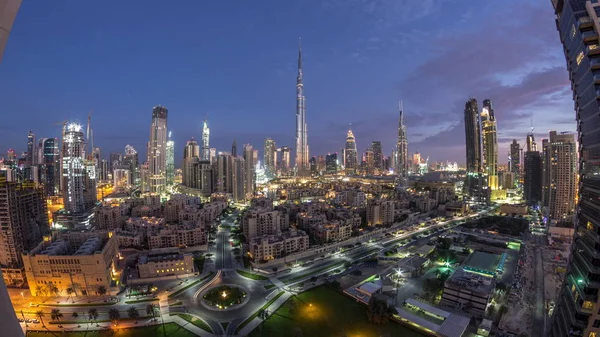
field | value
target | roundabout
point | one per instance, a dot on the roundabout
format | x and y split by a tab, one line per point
224	297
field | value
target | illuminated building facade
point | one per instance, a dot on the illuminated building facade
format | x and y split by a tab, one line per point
131	161
190	160
560	175
238	179
205	142
402	149
301	131
30	160
270	157
474	185
350	154
49	165
249	170
285	165
533	173
73	169
331	163
377	157
490	145
515	158
157	149
170	165
224	173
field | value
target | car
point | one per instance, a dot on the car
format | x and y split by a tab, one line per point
35	321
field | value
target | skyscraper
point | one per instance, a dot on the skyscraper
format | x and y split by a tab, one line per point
249	170
313	165
302	167
473	136
31	150
532	179
331	163
238	179
515	158
350	154
234	149
190	159
157	149
402	148
270	157
377	156
73	169
370	161
131	161
49	165
170	161
490	145
285	166
205	154
560	173
224	173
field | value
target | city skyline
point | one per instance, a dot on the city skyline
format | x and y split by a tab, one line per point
519	94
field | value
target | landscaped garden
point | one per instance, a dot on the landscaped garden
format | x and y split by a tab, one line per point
325	312
170	330
224	296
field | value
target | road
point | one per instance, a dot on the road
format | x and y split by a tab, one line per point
539	317
225	267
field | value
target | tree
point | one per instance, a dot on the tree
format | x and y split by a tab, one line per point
40	314
275	269
114	315
69	292
336	285
56	315
379	311
92	315
74	314
39	290
52	289
101	290
133	313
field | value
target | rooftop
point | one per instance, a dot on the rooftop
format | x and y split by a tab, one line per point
432	318
484	263
471	281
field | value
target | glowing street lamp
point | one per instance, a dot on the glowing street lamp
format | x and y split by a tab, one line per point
224	295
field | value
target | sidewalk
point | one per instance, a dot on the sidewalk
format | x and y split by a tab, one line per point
271	309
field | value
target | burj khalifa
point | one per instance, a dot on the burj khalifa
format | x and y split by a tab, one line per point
302	167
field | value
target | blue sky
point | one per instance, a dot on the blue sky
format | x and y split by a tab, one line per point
235	61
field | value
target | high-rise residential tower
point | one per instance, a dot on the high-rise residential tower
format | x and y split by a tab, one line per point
515	158
560	174
73	169
49	163
31	150
157	149
533	173
249	170
170	161
377	156
402	148
473	136
350	154
234	149
205	154
270	157
490	144
285	165
302	167
131	161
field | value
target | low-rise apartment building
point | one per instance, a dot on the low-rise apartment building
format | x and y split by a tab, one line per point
332	231
159	263
183	235
271	247
82	261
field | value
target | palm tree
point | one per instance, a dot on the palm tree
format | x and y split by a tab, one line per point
69	292
39	290
101	290
40	314
133	313
74	314
114	315
56	315
92	314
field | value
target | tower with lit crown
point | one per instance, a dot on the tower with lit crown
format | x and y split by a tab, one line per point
402	149
490	144
350	154
205	155
302	167
157	149
170	161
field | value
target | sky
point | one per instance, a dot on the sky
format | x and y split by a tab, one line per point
234	62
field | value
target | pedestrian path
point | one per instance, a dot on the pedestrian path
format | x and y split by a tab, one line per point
271	309
276	282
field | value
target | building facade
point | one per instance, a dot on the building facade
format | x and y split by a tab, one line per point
301	130
560	175
490	145
350	154
157	149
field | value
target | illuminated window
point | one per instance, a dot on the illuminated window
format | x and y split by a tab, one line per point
589	226
588	305
573	31
579	57
592	334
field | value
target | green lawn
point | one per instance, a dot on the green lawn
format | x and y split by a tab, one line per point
266	305
324	312
251	275
172	330
142	300
195	321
